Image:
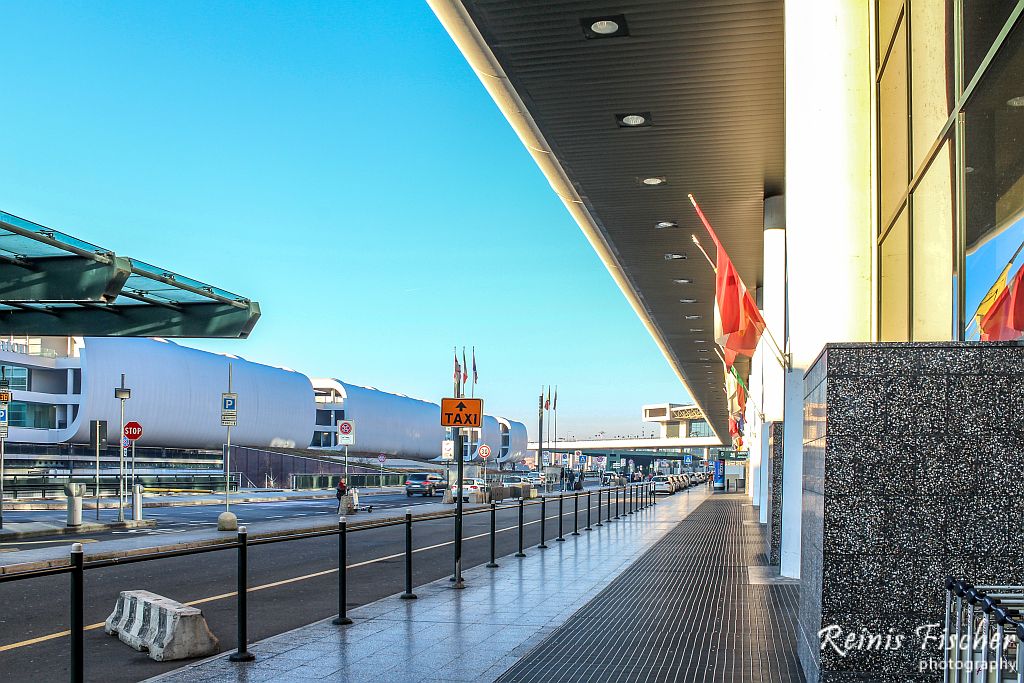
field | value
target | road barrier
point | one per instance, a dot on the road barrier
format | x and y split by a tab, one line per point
77	566
165	628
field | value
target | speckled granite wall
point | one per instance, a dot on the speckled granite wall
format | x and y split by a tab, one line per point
773	537
912	471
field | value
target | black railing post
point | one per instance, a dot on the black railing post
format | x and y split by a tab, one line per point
492	564
631	503
342	618
588	527
618	490
77	613
242	654
599	507
521	505
408	594
576	514
654	494
561	499
543	515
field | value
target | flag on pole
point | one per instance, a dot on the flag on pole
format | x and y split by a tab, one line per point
474	365
738	322
1004	319
465	368
458	370
554	404
547	403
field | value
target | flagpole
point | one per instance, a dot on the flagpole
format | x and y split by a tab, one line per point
554	410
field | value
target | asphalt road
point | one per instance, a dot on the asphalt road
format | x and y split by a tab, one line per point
174	520
291	584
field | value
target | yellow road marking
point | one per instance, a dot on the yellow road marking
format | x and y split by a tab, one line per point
222	596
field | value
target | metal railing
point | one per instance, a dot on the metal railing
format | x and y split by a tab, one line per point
983	631
52	486
632	498
309	482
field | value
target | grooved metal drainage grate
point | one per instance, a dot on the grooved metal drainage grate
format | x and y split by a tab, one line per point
684	611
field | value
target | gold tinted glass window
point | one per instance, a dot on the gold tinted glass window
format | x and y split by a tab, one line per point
931	58
894	276
892	128
933	248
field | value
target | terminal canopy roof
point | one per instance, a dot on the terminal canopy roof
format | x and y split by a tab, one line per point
57	285
627	108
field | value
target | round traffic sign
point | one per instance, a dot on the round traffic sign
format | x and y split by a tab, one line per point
132	431
125	442
485	451
345	428
383	458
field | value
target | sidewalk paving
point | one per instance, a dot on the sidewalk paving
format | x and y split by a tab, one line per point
474	634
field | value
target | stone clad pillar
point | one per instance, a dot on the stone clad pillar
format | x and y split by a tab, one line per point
829	238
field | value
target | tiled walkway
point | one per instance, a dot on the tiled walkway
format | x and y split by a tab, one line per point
658	595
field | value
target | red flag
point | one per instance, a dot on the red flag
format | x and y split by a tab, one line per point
458	370
547	403
1004	320
1016	305
474	365
465	368
738	322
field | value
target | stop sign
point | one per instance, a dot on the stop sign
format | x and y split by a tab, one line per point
132	431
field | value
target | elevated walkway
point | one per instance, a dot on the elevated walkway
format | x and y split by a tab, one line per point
674	592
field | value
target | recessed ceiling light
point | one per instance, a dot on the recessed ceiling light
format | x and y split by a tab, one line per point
635	119
696	329
675	257
612	26
653	181
692	316
968	169
687	301
1016	101
683	281
702	350
666	224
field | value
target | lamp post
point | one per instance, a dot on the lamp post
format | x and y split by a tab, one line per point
227	520
121	393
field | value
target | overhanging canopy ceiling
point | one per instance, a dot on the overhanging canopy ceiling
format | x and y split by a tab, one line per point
54	284
708	76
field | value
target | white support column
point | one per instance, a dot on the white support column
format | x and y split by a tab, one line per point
829	246
774	303
754	427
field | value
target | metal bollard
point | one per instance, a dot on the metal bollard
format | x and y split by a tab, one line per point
576	514
521	553
77	613
242	654
342	619
587	528
543	514
492	564
599	508
632	498
561	499
408	594
618	489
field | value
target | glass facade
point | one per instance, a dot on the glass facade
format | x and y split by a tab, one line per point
950	168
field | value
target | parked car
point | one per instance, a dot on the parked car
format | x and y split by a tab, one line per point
663	485
424	483
469	486
516	480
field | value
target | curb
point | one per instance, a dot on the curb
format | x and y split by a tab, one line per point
109	505
84	528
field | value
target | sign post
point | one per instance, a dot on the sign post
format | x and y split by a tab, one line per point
132	432
382	459
456	413
5	399
485	452
121	393
346	437
227	520
98	436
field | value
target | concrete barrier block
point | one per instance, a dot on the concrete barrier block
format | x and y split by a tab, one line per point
165	628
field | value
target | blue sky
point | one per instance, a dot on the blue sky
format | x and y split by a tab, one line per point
339	163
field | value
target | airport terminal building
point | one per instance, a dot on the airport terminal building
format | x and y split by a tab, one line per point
61	384
862	165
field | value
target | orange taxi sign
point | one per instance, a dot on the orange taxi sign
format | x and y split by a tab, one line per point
462	412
